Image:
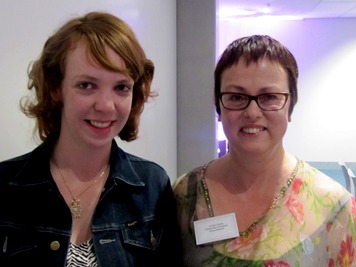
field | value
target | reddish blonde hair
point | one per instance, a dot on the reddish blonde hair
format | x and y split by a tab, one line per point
98	30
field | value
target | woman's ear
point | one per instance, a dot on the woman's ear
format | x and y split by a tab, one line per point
57	95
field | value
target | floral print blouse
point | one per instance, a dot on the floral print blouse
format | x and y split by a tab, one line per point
312	225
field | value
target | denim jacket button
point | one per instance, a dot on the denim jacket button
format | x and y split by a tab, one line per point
55	245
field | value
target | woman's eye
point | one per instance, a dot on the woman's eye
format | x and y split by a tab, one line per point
268	97
123	87
86	85
236	98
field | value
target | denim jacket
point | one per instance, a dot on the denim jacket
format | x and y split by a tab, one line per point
134	223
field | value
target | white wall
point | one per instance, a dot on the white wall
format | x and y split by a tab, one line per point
25	26
323	126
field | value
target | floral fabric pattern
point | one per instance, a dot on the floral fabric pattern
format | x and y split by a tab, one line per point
313	225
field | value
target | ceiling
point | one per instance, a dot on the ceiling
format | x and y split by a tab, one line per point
287	8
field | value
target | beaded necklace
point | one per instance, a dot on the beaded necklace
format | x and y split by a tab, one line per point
274	203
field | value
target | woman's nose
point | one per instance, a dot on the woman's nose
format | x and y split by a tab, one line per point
104	102
252	110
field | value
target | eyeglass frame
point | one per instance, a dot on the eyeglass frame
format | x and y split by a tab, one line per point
255	98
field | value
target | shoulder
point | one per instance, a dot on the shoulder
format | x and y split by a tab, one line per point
187	180
12	166
143	165
28	168
319	186
120	155
15	160
319	180
136	170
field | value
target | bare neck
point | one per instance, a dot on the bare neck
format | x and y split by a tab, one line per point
260	171
83	161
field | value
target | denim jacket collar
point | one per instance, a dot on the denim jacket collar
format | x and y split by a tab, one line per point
36	170
121	167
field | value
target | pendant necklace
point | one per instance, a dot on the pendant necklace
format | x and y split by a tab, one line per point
75	205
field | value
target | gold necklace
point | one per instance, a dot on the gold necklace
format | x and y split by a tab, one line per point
275	201
75	205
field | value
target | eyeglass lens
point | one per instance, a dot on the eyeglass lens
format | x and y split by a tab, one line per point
270	101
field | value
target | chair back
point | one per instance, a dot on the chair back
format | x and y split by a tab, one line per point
352	181
346	176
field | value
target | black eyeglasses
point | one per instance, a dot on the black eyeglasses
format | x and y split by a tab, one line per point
267	101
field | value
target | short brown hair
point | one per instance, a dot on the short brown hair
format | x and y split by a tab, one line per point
251	49
97	30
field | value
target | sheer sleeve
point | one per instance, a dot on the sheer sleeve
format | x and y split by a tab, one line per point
342	233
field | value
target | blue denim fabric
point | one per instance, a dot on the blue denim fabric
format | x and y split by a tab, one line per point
134	223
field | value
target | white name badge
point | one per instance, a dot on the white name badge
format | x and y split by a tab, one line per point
216	228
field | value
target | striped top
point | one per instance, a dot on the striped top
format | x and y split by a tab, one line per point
82	255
